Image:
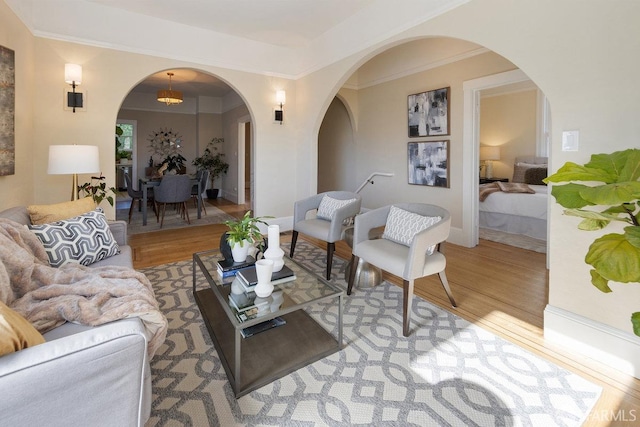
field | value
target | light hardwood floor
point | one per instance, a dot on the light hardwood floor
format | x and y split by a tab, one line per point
500	288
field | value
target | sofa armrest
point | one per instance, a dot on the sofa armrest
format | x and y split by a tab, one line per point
94	377
119	231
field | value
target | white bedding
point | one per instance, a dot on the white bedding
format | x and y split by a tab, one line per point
518	204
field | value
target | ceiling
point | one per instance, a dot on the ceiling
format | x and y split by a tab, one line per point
190	82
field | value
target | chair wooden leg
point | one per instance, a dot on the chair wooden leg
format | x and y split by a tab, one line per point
447	289
407	286
352	274
294	239
133	201
186	212
331	247
164	208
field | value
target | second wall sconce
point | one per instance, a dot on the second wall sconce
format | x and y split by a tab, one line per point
73	76
281	99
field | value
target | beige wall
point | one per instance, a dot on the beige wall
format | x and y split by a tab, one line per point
509	121
553	42
336	151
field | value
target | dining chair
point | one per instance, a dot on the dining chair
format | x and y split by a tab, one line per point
137	195
202	176
334	210
410	247
174	189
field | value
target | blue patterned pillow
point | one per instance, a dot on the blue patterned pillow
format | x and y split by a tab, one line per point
83	239
329	206
403	225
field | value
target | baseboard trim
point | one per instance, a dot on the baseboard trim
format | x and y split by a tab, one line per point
608	345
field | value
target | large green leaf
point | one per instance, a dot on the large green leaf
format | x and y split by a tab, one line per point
600	216
612	194
574	172
635	321
614	258
633	235
613	163
631	169
592	224
568	195
600	282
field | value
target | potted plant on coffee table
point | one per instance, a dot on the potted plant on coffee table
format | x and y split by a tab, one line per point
243	234
213	161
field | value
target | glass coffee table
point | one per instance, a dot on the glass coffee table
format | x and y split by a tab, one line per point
259	359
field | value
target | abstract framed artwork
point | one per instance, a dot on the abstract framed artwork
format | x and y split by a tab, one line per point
428	163
7	112
428	113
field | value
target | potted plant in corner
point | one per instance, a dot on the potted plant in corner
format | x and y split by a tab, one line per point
243	234
614	183
213	161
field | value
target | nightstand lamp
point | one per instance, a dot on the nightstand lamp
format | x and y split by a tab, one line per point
488	154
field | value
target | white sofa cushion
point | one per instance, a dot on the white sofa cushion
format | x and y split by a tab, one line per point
403	225
329	206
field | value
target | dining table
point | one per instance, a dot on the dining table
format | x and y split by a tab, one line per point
146	183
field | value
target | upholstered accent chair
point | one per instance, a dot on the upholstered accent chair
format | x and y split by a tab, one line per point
202	176
334	210
137	195
174	189
410	246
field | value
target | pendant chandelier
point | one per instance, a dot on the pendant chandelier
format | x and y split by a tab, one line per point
169	96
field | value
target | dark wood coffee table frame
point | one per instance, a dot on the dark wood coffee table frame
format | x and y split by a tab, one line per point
255	361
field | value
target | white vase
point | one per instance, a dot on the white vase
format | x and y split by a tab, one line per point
274	252
239	251
264	268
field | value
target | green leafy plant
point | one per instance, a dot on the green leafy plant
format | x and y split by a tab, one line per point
616	256
174	163
245	228
212	160
98	190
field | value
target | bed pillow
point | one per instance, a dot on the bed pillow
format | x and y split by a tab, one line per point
521	168
84	239
534	176
16	333
44	214
403	225
329	206
515	187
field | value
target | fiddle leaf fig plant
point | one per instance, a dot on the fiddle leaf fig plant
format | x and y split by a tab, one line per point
613	184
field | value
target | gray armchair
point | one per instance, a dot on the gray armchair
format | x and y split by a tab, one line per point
414	255
137	195
196	190
328	225
174	189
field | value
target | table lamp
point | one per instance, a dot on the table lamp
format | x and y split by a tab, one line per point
72	160
488	154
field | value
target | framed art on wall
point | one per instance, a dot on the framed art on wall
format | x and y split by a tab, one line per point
429	163
7	112
428	113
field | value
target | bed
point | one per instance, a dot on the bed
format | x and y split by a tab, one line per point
518	212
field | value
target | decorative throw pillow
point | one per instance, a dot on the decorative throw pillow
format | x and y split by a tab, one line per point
521	168
16	332
403	225
329	206
84	239
515	187
534	176
44	214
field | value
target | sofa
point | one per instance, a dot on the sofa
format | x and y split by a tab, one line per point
80	375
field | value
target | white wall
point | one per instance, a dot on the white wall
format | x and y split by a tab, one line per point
336	150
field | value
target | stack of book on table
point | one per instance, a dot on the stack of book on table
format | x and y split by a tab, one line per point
229	268
247	306
249	279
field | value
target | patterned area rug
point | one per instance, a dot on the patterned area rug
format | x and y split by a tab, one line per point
171	219
448	372
517	240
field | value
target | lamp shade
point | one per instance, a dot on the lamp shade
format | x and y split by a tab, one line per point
490	153
73	74
281	97
71	159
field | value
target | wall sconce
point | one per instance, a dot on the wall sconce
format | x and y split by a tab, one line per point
73	76
281	98
72	160
488	154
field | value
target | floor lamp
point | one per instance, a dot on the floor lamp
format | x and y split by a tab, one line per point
72	160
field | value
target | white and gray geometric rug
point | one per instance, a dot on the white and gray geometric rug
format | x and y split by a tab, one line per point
449	372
